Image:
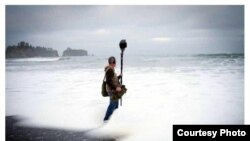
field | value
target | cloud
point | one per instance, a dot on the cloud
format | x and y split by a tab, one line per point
98	28
101	32
162	39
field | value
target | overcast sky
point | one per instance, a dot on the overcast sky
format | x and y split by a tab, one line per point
147	29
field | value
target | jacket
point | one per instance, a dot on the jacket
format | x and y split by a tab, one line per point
112	81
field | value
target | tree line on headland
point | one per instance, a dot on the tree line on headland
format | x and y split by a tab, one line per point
25	50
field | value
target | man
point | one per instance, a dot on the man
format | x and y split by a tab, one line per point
112	87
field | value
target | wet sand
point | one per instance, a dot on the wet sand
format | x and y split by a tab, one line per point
16	132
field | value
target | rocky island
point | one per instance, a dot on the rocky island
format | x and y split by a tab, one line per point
24	50
74	52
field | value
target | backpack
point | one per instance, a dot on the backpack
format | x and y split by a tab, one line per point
104	90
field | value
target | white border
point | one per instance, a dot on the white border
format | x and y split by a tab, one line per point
126	2
117	2
2	72
247	65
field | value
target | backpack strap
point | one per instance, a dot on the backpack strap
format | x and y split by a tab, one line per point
105	74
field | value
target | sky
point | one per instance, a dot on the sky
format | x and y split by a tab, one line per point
147	29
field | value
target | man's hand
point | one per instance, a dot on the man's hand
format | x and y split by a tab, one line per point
120	76
118	89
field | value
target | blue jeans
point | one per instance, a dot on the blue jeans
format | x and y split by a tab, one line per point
113	104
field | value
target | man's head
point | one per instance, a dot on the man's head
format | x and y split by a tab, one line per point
112	61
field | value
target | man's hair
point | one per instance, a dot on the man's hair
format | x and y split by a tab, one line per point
112	60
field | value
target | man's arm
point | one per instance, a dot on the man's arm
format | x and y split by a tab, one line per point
119	77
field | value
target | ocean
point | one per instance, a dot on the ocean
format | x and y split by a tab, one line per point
65	92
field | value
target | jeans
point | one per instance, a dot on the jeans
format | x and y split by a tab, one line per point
113	104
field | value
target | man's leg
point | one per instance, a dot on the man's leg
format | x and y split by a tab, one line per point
112	106
117	104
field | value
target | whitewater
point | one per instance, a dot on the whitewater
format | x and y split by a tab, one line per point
162	91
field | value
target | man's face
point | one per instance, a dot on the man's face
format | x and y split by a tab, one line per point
113	62
113	65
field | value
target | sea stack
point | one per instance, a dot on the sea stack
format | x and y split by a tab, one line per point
25	50
75	52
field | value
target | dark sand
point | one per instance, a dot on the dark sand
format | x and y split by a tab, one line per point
24	133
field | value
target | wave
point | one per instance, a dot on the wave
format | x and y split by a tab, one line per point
35	59
222	55
63	58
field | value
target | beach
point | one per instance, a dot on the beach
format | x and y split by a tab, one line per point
58	95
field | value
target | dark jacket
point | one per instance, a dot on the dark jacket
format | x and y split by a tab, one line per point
112	80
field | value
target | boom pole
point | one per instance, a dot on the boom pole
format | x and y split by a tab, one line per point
123	45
